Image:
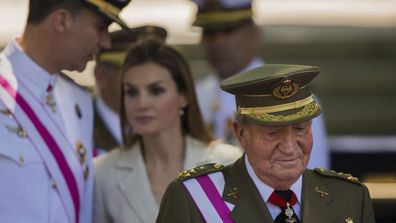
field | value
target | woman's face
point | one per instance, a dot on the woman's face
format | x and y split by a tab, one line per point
151	100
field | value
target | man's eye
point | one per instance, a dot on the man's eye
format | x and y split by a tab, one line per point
272	134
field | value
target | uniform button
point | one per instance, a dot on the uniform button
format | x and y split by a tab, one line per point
53	184
86	173
21	160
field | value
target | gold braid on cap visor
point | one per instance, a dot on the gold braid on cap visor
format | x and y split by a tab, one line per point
310	108
205	18
116	58
105	6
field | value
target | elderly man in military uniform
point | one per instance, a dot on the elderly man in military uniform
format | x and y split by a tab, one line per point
46	119
270	182
232	42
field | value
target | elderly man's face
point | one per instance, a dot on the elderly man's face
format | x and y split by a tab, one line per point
277	154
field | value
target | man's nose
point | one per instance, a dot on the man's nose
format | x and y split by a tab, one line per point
288	141
105	41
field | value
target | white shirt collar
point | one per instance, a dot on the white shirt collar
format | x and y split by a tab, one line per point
266	190
256	62
28	71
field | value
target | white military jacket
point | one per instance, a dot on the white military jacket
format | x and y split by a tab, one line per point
34	179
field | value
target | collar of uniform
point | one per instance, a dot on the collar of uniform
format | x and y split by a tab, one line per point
27	71
266	190
256	62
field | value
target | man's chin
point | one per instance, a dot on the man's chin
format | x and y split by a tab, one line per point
289	174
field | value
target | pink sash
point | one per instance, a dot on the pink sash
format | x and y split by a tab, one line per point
53	147
206	193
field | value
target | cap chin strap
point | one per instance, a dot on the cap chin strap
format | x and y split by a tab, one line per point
275	108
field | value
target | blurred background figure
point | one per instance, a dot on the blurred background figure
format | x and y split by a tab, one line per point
169	135
231	41
107	91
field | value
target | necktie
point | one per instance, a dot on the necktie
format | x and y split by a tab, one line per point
285	200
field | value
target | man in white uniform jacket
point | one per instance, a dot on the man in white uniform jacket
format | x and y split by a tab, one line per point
45	119
232	42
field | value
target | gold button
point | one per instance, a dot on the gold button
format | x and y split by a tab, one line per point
349	220
217	166
86	173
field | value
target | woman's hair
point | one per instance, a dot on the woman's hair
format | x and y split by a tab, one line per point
154	50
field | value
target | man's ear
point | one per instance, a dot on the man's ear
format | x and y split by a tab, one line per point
61	19
240	132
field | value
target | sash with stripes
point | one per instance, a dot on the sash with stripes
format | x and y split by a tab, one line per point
48	139
206	193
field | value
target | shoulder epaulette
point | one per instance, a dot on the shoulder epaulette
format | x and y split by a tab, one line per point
331	173
199	171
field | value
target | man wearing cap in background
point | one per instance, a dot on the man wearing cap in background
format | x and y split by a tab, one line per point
107	95
46	119
270	182
232	41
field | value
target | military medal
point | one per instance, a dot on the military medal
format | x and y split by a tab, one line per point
289	213
49	99
18	130
81	151
6	112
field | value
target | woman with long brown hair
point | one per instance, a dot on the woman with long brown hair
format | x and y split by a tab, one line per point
163	131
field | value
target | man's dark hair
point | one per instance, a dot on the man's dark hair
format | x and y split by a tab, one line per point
40	9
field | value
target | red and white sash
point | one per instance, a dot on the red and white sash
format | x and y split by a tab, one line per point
206	191
49	141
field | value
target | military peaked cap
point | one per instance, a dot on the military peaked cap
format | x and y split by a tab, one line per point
123	39
110	8
275	94
222	14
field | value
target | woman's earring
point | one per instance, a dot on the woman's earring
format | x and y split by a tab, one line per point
181	112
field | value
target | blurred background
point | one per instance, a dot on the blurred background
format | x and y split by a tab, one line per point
352	41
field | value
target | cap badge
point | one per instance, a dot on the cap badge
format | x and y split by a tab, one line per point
286	89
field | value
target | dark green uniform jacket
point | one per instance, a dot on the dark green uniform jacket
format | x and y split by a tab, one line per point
103	138
327	197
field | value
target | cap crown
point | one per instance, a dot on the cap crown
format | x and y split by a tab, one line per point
215	14
275	94
123	39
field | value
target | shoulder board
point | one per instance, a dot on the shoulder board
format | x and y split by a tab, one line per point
70	80
331	173
199	171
